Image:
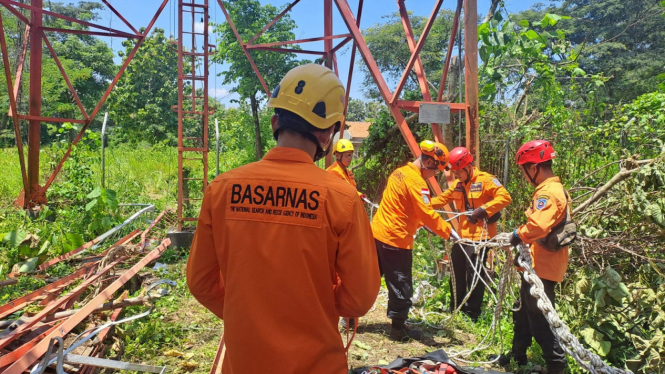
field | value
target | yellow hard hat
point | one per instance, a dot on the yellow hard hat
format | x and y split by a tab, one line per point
437	151
343	145
313	92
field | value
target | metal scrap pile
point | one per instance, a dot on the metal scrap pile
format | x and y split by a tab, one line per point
49	319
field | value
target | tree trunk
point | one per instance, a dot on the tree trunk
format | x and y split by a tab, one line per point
491	11
258	144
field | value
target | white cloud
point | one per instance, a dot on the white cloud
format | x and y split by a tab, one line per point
198	27
218	92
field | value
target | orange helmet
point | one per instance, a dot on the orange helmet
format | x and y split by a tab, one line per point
437	151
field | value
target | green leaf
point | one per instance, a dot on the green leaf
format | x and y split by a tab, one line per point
596	340
97	192
14	238
44	248
532	35
90	205
29	265
524	23
362	345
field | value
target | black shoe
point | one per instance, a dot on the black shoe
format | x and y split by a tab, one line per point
504	360
403	334
343	327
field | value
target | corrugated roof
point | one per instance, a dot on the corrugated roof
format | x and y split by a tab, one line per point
358	129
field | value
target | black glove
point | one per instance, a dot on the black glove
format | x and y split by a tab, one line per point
478	214
515	240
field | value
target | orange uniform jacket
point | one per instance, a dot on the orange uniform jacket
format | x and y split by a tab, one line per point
282	250
339	170
483	190
547	209
405	205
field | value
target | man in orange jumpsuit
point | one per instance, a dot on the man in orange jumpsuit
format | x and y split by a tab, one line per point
283	249
549	209
483	195
343	157
405	205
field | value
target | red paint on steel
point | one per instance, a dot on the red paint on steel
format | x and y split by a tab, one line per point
94	33
418	67
471	77
67	255
351	65
38	9
129	58
414	106
64	75
35	103
15	12
218	362
269	25
416	53
23	349
33	355
451	45
21	62
12	105
244	46
121	17
290	42
285	50
11	336
56	286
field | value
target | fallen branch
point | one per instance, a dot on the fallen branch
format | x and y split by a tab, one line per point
8	282
628	167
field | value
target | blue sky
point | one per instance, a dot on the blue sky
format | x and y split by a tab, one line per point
308	15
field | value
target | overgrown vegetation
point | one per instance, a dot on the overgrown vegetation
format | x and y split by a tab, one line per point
585	76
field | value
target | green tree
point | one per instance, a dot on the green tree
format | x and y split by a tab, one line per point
249	17
87	61
622	40
141	102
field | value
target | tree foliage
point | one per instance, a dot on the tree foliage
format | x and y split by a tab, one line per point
141	103
249	17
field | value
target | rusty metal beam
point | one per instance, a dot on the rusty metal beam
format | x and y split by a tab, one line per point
17	353
15	12
451	44
471	77
33	355
19	66
416	53
12	335
94	33
35	105
414	106
284	50
129	58
290	42
218	362
65	76
12	105
121	17
418	66
269	25
51	288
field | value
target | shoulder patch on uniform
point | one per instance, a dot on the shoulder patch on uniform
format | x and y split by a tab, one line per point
541	202
476	187
425	193
496	182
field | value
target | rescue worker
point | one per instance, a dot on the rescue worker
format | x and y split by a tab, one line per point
404	207
283	249
343	157
549	208
482	194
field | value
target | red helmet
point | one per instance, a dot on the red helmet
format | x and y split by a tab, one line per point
459	158
535	152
